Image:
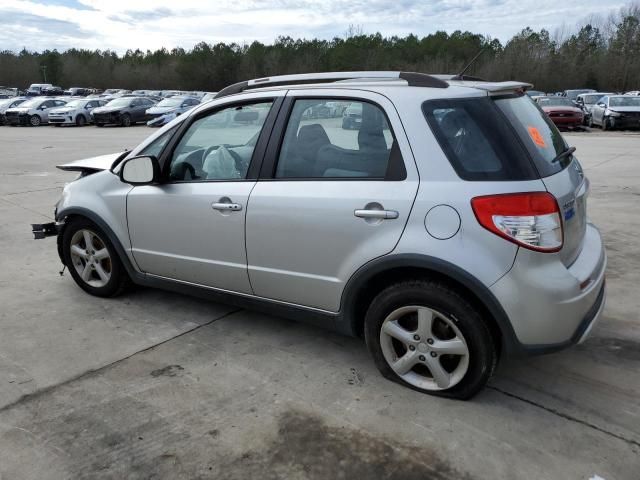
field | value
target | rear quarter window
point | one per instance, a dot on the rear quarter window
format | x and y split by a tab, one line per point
479	143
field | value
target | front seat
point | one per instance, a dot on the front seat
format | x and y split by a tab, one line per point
311	138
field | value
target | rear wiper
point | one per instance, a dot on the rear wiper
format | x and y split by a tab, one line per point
564	154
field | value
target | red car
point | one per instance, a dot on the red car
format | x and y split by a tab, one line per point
562	111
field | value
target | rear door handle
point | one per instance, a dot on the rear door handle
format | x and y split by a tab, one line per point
226	207
384	214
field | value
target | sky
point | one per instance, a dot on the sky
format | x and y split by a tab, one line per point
119	25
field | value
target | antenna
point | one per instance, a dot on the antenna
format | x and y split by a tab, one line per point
460	76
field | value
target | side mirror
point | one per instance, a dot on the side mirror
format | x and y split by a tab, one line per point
140	170
601	104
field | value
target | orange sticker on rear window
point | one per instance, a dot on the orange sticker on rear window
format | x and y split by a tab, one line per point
535	135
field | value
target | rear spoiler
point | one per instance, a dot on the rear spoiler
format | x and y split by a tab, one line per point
495	88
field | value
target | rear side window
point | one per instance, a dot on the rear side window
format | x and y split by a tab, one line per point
338	138
477	140
539	135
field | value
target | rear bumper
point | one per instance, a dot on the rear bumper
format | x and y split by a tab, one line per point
551	306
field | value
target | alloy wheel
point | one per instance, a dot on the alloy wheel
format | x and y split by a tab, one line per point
424	347
90	258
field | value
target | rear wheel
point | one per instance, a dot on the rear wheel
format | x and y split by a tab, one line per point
125	121
424	335
35	121
92	260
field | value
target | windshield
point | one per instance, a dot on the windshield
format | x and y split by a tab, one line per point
170	102
119	102
555	102
538	133
592	99
31	103
624	101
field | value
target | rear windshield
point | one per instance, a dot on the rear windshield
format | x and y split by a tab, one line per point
502	138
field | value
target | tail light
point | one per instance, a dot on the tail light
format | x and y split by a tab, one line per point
531	220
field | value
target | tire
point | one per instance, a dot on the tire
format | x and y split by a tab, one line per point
81	121
590	122
35	120
87	268
605	123
125	120
99	124
471	353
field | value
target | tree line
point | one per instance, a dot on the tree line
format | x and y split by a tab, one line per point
603	54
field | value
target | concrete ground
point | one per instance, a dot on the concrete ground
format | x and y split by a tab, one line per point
155	385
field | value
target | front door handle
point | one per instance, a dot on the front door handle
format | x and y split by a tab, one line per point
226	207
383	214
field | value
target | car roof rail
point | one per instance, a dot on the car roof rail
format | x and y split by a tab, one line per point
413	79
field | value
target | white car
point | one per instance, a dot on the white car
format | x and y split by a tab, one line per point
76	112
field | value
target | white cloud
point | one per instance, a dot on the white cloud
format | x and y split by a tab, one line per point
149	24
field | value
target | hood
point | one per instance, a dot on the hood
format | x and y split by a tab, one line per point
624	109
18	109
562	109
92	164
107	109
160	110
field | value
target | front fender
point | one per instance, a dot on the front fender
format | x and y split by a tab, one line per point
102	198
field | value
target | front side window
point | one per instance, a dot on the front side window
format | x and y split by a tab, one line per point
330	138
220	145
155	147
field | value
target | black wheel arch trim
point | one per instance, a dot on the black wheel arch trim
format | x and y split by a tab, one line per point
348	321
136	276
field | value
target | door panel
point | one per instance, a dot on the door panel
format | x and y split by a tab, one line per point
304	239
192	228
177	234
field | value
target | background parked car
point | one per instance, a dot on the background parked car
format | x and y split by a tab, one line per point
124	111
33	112
616	111
176	105
352	116
76	112
52	91
77	92
35	89
572	94
562	111
586	101
208	97
9	103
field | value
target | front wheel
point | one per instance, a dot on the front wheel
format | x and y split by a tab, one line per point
424	335
605	123
35	120
81	121
125	121
92	260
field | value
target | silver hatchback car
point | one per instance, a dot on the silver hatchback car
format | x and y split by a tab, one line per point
447	227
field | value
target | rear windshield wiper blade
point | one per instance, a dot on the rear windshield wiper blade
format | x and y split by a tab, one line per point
564	154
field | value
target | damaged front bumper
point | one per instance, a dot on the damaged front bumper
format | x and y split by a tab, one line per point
43	230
